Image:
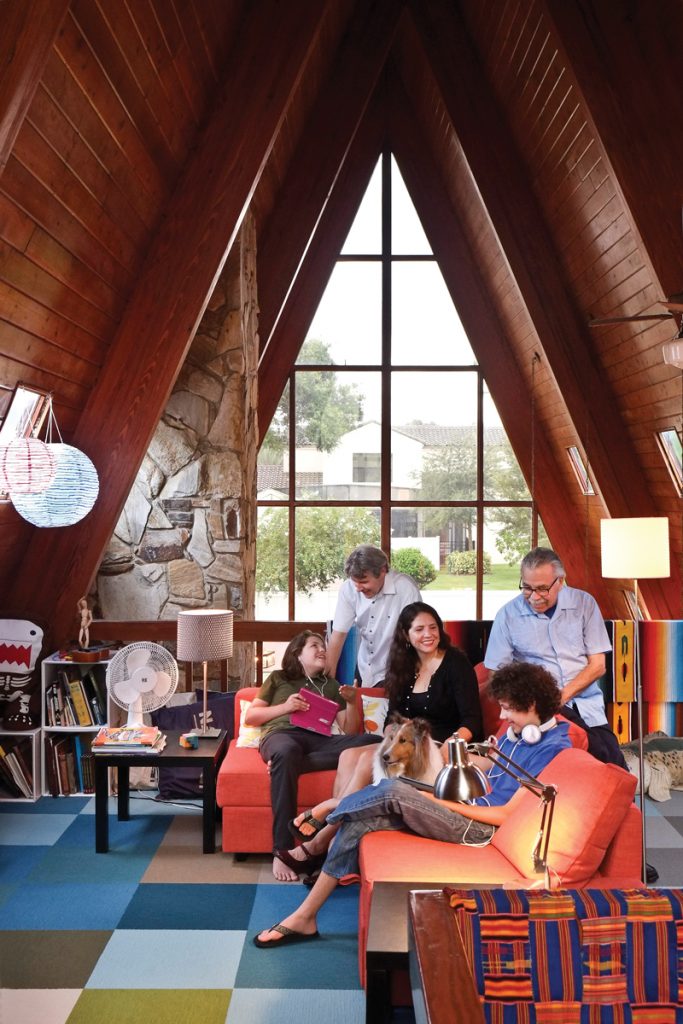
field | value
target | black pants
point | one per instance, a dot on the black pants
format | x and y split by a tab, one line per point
294	752
602	743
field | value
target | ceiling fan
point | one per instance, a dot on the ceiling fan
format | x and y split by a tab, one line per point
673	306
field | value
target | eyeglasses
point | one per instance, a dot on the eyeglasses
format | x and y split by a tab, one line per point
541	591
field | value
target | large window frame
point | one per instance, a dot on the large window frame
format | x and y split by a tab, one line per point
386	259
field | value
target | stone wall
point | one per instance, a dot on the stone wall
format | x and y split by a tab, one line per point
186	537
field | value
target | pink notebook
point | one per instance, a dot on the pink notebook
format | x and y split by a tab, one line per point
320	715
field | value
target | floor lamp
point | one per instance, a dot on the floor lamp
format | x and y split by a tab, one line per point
204	634
636	549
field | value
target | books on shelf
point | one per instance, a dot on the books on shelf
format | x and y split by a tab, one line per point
75	700
16	775
68	765
129	739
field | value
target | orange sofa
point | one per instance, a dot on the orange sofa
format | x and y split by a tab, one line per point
595	841
243	787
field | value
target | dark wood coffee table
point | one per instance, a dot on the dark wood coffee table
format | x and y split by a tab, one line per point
208	757
441	981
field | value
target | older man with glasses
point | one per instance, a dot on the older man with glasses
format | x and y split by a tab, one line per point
561	628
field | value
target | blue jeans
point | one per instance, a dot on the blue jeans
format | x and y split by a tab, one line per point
395	806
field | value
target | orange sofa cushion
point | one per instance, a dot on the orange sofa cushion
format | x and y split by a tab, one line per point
592	801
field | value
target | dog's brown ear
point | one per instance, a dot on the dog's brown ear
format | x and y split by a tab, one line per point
395	718
422	727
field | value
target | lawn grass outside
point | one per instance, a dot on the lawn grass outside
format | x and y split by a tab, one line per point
501	577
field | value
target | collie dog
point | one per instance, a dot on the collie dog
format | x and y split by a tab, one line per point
408	749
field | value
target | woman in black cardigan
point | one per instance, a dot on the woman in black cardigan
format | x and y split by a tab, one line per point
429	678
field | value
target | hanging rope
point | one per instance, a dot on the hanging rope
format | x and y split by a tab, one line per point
534	515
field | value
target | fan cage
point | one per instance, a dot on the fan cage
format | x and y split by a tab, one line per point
160	660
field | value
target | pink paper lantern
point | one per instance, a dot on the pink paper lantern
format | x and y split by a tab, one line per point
27	466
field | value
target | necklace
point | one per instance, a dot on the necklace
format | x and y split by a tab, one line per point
413	694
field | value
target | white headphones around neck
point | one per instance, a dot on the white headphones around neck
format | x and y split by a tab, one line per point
530	733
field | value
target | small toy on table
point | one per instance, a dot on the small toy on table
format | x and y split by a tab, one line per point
189	741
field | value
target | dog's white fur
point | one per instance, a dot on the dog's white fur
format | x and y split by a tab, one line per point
408	749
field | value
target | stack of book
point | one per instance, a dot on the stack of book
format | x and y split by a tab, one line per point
126	739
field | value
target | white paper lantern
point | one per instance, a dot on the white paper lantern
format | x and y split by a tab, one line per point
69	497
27	466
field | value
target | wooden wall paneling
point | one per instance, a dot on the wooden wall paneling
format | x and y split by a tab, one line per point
14	534
16	367
150	117
100	129
47	118
170	296
506	191
23	275
104	112
40	203
46	252
328	132
626	60
28	350
317	265
63	184
489	341
31	316
28	32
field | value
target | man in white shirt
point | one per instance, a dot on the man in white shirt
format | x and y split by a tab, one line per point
371	598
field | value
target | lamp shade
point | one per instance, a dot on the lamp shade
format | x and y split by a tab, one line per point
635	548
69	497
204	634
27	466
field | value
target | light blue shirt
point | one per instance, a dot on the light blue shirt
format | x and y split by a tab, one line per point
560	644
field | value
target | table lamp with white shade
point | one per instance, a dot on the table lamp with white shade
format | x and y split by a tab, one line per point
636	549
204	634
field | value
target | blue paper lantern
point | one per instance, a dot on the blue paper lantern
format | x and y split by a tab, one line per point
69	497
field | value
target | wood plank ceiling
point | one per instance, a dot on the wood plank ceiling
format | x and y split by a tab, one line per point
536	138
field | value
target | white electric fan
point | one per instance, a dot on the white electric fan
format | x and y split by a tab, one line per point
141	677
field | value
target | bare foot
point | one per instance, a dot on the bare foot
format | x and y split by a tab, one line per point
297	922
319	812
282	872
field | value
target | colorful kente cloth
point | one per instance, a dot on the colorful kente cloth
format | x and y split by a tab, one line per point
574	956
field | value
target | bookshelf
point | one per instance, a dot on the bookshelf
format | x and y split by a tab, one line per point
20	761
74	706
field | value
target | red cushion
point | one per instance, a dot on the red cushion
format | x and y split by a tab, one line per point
592	801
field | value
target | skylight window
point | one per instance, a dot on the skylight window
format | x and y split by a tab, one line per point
580	469
669	442
25	415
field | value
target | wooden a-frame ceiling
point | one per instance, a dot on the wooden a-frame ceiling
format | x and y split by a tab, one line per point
537	138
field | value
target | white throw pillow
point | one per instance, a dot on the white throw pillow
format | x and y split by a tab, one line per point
374	713
249	735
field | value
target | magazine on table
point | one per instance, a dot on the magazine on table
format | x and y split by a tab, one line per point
127	736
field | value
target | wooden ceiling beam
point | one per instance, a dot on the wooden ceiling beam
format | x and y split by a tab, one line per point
626	60
325	141
177	279
317	265
504	184
495	355
29	28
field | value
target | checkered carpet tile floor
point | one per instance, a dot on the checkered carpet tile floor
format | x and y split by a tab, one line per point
156	931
